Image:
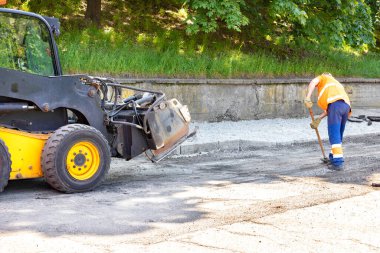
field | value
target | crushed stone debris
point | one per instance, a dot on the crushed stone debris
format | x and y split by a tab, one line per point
274	130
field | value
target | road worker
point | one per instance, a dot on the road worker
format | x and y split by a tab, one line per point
334	101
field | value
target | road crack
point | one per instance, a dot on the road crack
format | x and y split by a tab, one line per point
206	246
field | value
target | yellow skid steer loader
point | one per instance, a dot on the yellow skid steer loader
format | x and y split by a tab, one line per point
65	128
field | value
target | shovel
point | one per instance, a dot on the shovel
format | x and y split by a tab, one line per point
324	159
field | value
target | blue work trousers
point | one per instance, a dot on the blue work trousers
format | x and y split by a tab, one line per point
337	114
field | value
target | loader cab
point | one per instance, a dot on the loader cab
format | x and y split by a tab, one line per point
27	43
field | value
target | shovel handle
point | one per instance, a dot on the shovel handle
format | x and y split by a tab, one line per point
317	132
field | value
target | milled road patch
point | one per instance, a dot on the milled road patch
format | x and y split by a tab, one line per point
209	203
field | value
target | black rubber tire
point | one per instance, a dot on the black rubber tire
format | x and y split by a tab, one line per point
54	155
5	165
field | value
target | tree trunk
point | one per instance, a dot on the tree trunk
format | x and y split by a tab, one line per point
93	11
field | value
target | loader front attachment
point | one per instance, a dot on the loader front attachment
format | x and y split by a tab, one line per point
169	127
145	121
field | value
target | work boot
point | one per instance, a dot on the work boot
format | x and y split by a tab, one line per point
335	167
325	161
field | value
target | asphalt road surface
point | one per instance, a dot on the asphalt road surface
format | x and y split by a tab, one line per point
271	199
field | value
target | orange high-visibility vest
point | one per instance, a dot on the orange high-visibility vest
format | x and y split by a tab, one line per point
329	91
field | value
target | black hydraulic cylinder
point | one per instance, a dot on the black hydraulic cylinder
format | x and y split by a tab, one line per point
15	107
146	99
133	97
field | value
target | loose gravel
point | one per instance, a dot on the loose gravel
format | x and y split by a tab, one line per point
275	131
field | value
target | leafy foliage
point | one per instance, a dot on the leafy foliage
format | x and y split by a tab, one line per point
280	26
375	14
285	22
207	15
286	12
56	8
338	22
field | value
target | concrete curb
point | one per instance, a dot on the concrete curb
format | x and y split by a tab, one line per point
201	81
241	145
215	100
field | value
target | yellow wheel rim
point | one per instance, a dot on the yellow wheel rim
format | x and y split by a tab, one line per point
83	160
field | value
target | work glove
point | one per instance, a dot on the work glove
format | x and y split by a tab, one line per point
315	123
308	103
